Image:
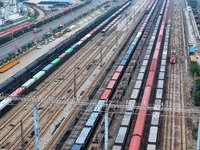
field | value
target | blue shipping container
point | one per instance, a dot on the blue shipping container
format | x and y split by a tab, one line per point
48	67
123	62
99	106
92	120
82	138
76	147
74	46
126	56
121	136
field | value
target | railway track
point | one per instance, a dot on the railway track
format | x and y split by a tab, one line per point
175	133
48	94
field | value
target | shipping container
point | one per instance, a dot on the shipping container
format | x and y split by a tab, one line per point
126	119
130	106
106	95
119	69
74	46
77	147
133	43
155	119
146	57
160	84
28	83
17	92
99	106
48	67
83	39
117	147
153	135
69	50
126	57
121	136
157	105
62	56
38	75
92	120
162	68
163	62
142	69
138	84
161	76
79	42
135	94
140	76
111	84
116	76
123	62
5	102
151	147
159	93
82	138
56	61
145	62
88	35
136	39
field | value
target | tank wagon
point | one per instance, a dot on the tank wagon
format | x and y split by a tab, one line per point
137	134
54	58
120	140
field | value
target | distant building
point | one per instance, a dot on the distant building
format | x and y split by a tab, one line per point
49	5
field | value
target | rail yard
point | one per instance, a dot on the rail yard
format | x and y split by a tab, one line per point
106	86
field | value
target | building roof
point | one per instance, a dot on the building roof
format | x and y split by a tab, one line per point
193	58
192	49
55	2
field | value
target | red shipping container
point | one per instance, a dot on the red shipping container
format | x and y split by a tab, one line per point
111	84
116	76
17	92
94	30
106	95
150	79
62	55
153	65
83	39
120	68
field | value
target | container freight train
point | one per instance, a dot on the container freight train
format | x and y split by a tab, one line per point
154	129
137	134
29	72
82	140
120	140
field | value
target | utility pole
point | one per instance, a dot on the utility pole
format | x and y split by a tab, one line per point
75	83
106	127
22	137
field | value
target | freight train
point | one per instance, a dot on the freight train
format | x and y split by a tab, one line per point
43	66
82	140
137	134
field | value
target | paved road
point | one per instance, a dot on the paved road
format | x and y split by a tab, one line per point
4	50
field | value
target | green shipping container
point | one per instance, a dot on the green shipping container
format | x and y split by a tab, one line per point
136	39
38	75
55	61
79	42
69	50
